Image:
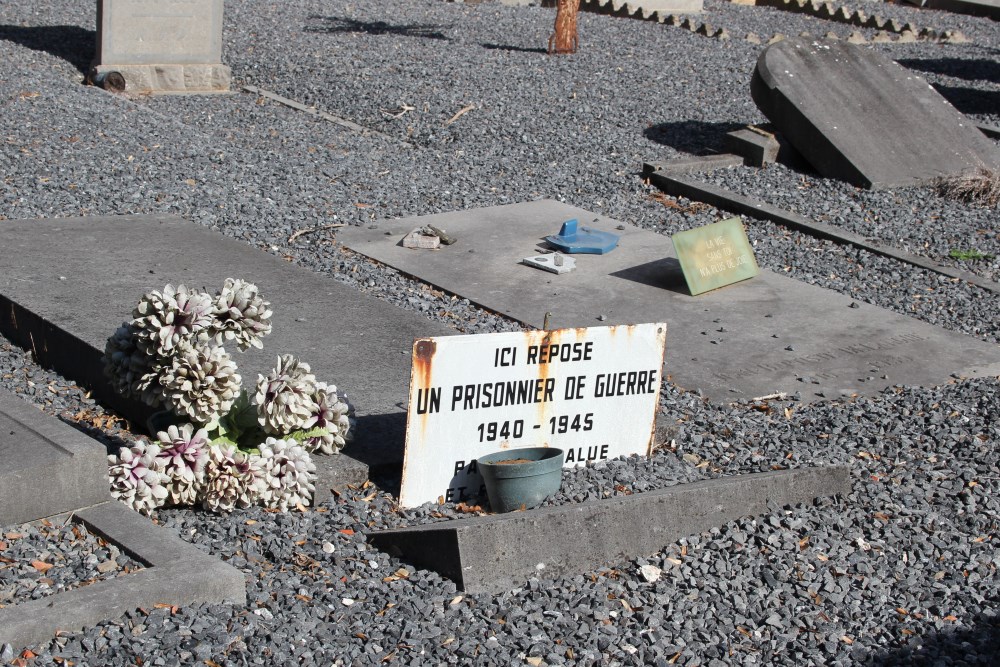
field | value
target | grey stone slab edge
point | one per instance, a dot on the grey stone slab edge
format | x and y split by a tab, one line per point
177	573
48	488
677	185
991	131
501	551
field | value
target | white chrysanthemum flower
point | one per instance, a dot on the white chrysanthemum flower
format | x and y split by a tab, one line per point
241	315
332	414
137	477
285	397
184	453
231	480
163	320
289	474
201	382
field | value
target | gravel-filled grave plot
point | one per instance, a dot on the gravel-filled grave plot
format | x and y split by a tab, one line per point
901	571
48	558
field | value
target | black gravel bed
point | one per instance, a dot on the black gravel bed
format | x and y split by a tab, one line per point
44	558
901	571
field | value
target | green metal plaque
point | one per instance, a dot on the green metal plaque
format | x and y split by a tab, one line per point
715	255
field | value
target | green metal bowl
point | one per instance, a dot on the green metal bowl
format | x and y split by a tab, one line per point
511	486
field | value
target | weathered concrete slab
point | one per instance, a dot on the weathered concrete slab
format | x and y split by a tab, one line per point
177	573
69	283
501	551
764	335
46	467
855	115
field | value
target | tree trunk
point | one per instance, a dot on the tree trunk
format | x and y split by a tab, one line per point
565	39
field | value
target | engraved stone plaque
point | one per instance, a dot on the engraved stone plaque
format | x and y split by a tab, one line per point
715	255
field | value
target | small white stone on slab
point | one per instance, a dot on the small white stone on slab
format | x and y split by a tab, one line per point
555	262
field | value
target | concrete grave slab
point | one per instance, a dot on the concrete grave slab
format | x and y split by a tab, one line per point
857	116
765	335
46	467
69	283
176	573
501	551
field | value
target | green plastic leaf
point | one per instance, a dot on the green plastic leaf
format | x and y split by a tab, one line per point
243	415
223	440
303	435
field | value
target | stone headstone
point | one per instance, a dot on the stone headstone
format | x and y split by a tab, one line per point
766	335
160	46
857	116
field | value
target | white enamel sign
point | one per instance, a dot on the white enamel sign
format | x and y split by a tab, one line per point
591	392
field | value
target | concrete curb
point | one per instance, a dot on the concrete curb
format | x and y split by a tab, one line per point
679	186
177	573
501	551
46	467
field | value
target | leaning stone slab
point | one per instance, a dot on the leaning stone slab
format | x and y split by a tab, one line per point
46	467
69	283
160	46
763	336
857	116
501	551
176	573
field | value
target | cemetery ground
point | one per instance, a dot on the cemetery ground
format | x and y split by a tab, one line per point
460	108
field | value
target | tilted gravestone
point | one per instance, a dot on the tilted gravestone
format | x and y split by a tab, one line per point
857	116
160	46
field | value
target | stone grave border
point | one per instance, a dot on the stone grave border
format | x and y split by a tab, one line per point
906	33
667	176
176	573
841	14
676	18
499	552
78	477
636	9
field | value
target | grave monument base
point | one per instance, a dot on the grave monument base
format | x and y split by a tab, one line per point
199	79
